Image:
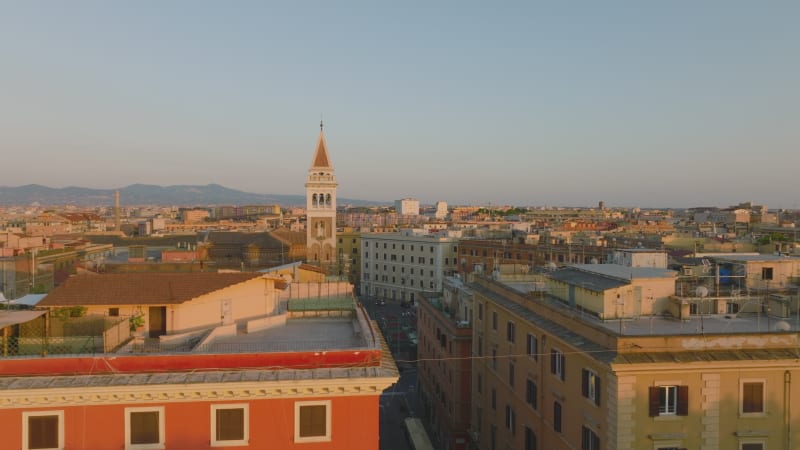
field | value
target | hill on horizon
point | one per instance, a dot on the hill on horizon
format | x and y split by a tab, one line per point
147	194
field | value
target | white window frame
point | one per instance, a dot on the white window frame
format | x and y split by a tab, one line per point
591	379
230	443
59	413
328	423
161	428
763	411
664	409
558	369
532	346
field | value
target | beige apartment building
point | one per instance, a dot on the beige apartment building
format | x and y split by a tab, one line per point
546	375
401	266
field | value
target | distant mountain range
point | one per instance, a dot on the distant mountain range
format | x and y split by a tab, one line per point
145	194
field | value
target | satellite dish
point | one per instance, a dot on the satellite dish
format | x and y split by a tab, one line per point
701	291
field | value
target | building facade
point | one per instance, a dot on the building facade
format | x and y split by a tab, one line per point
547	377
307	375
407	207
401	266
321	206
444	371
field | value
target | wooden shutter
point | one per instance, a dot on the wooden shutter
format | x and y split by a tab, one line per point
144	427
230	424
552	362
585	382
563	366
683	401
313	420
597	390
42	431
654	400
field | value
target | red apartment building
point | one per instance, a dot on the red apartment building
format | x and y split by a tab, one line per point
445	348
308	376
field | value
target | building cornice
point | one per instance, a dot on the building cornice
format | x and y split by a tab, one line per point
192	392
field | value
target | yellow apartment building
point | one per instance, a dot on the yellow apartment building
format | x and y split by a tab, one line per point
548	375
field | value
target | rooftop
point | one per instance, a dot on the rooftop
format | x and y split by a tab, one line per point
141	288
625	272
750	258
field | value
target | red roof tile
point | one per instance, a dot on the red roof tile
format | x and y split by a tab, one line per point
140	288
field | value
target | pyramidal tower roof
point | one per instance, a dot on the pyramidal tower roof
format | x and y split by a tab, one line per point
321	159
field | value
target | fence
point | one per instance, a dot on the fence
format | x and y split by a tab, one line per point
64	336
116	335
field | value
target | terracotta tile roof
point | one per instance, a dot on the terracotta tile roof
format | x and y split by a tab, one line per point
312	268
140	288
321	159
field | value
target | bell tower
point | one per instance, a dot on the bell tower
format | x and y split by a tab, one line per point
321	206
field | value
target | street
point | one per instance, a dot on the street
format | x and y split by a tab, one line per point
398	325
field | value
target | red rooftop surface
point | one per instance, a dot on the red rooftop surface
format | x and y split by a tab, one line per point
113	364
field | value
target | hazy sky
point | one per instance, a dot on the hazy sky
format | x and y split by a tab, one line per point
666	104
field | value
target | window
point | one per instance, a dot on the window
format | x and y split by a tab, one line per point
511	420
510	331
43	430
752	446
480	311
494	320
752	394
530	439
557	364
480	384
669	400
312	421
480	345
557	416
230	425
589	439
494	398
590	386
532	347
531	393
494	359
511	373
113	312
766	273
144	428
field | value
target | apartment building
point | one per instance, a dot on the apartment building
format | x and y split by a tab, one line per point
407	207
444	372
549	376
482	256
309	375
401	266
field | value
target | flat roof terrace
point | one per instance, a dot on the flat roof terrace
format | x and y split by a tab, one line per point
698	324
298	334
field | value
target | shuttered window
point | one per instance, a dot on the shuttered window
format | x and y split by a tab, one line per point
669	400
43	431
752	397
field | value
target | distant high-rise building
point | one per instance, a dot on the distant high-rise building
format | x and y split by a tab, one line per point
441	210
321	205
407	207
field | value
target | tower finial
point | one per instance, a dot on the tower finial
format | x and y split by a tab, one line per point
320	122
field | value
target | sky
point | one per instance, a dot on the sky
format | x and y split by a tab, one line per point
648	104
